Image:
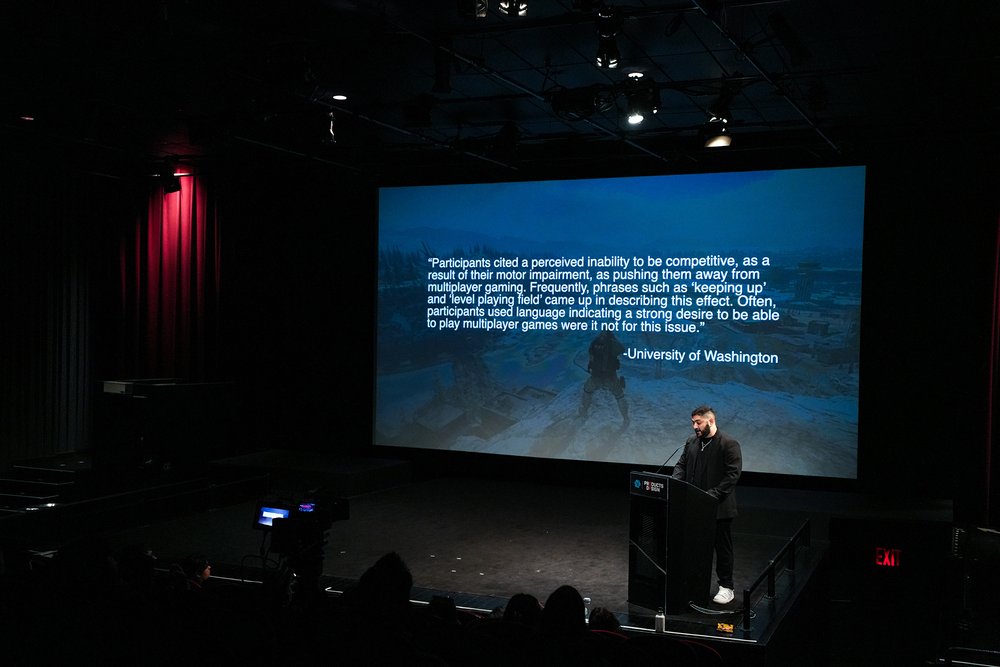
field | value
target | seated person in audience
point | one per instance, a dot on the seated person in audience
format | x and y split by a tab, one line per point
563	613
523	608
602	618
197	571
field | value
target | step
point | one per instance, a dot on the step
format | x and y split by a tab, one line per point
33	486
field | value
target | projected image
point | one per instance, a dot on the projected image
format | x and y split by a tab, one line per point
585	319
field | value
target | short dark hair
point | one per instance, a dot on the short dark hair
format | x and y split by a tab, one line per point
702	410
194	565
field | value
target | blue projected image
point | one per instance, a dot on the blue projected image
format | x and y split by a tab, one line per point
738	290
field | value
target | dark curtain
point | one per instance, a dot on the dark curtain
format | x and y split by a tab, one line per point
169	287
991	469
49	223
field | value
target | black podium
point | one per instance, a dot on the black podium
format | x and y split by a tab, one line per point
671	537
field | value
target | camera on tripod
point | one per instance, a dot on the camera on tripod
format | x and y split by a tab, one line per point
297	523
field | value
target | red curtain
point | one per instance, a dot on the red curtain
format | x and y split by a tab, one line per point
170	283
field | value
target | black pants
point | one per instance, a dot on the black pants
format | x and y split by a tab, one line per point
724	552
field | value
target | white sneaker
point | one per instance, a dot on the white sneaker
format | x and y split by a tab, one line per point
724	596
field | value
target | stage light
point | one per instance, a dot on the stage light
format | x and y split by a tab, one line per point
168	179
476	9
332	137
642	98
514	7
716	133
609	22
720	107
607	54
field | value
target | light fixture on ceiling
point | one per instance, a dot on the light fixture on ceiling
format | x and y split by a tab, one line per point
609	22
642	98
514	7
716	133
476	9
720	106
332	136
169	180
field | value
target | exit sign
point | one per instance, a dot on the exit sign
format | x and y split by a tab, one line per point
887	557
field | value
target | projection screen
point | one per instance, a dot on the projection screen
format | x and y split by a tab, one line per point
740	290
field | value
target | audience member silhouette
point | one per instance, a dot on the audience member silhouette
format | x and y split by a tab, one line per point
376	623
563	613
524	609
603	619
384	588
107	606
197	571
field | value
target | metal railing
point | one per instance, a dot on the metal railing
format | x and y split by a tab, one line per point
802	537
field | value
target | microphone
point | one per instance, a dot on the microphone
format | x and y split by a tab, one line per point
667	461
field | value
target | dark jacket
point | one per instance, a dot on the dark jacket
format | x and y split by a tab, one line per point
724	460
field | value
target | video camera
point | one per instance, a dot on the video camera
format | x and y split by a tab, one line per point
306	515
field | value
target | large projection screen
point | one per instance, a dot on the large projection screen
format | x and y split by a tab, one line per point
737	290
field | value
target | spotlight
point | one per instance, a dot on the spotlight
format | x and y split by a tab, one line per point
168	179
514	7
642	97
476	9
332	137
716	133
720	107
607	54
609	22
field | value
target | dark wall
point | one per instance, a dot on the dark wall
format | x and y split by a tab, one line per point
930	246
52	278
298	305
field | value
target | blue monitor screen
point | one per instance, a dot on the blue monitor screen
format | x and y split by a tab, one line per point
267	515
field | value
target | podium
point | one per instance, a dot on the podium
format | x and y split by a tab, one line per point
160	425
671	540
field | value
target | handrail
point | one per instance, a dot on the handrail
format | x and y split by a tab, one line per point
803	534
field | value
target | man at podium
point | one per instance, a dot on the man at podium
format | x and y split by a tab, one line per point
713	461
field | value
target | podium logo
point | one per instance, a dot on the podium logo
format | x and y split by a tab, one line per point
653	487
638	483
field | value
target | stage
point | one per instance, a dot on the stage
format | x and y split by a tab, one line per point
478	540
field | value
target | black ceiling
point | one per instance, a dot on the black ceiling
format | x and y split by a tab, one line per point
436	93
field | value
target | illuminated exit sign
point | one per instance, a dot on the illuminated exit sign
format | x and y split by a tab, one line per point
887	557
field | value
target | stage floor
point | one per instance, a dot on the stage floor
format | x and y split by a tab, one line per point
480	541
